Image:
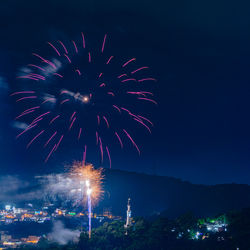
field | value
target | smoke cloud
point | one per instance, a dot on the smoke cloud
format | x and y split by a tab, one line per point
62	235
60	187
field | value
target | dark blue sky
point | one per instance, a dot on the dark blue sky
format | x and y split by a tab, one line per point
200	54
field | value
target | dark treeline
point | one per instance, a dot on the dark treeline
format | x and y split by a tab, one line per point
162	233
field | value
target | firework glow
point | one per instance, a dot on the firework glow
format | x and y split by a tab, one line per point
70	188
90	180
89	191
79	92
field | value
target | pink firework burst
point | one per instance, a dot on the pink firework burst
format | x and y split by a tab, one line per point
85	94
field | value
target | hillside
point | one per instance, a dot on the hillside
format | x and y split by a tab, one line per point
154	194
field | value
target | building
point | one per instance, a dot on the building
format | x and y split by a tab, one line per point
32	239
5	237
129	218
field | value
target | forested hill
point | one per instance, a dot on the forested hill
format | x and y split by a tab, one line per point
155	194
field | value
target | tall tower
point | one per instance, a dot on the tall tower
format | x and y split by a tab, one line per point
128	220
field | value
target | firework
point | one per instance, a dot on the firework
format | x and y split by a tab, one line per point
70	188
81	92
91	181
89	191
83	174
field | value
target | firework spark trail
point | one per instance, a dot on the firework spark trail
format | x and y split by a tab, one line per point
28	77
58	144
24	113
146	92
84	155
71	124
119	139
106	120
35	66
66	100
80	132
96	135
36	76
143	124
79	72
54	119
45	145
133	115
120	76
146	119
103	44
36	121
117	108
111	93
146	99
129	79
98	120
89	57
22	92
27	111
44	60
36	107
108	156
67	58
126	110
34	138
72	115
140	119
27	129
139	70
76	49
129	61
52	150
56	74
42	115
135	93
26	97
109	59
101	149
48	100
83	40
143	93
147	79
128	135
58	53
64	92
65	49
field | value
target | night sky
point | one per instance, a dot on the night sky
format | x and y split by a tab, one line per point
199	52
